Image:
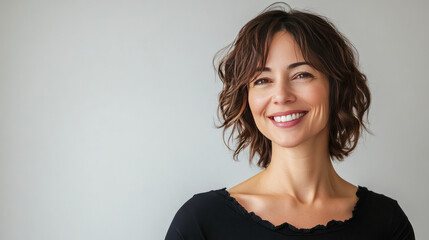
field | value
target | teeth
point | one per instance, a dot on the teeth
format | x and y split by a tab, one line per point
288	118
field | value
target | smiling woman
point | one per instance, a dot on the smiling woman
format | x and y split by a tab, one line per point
293	94
313	42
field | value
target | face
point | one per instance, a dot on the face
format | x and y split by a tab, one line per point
289	100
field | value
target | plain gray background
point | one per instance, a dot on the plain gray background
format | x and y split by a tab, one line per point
107	110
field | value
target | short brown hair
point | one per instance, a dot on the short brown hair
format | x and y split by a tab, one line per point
324	47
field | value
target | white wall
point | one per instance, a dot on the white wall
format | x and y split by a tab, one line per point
107	110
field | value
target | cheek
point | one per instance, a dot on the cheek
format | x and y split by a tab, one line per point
318	99
257	103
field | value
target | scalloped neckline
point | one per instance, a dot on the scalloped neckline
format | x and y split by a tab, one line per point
320	227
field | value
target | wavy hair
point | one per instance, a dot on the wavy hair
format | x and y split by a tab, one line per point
324	47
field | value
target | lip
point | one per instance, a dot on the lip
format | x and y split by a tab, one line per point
287	124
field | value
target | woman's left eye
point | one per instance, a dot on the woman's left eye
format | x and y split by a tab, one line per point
304	75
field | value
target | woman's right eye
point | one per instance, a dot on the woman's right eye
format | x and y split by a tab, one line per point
260	81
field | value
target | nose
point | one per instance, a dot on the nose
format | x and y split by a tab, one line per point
283	94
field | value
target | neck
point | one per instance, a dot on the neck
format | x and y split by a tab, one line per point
304	172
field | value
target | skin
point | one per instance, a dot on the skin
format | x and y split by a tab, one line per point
300	185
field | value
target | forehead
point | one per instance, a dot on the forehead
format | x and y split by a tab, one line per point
283	50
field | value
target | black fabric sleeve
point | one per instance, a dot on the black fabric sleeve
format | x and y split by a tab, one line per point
185	225
401	226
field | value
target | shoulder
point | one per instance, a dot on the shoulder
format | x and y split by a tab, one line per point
201	203
381	203
204	201
387	214
378	200
193	217
378	203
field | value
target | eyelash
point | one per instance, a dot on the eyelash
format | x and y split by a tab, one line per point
303	74
256	81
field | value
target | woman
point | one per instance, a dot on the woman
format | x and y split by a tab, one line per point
294	95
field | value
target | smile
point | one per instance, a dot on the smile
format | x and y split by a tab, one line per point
289	117
287	120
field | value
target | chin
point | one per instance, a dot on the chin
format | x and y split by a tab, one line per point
287	143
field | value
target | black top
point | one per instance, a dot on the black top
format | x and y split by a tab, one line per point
217	215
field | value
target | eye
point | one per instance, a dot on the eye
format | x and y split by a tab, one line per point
260	81
303	75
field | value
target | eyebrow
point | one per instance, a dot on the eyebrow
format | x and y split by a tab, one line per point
292	66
